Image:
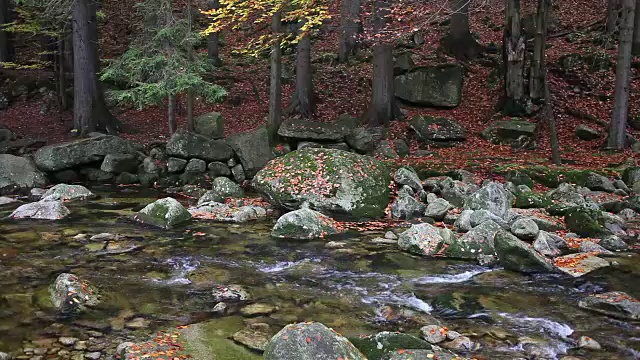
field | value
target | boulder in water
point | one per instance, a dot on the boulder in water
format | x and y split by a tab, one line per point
380	345
615	304
329	180
310	341
421	239
579	264
43	210
64	192
515	254
164	213
305	224
71	294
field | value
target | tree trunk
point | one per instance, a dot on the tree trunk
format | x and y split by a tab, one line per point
613	13
536	76
171	114
6	43
551	121
635	48
381	110
617	129
213	44
303	97
349	28
63	101
459	42
514	56
90	112
275	82
190	124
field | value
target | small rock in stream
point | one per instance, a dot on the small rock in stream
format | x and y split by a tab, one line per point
586	342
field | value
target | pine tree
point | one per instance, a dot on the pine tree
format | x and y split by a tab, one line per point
158	66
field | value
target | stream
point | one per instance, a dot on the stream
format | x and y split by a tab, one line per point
165	280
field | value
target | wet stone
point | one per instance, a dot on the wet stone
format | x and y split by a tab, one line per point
433	333
67	341
253	339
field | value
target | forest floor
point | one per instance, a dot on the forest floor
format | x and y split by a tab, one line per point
343	88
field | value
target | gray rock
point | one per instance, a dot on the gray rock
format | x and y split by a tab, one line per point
460	344
579	264
70	294
210	196
196	166
43	210
525	229
490	197
225	187
383	344
456	191
421	239
81	152
437	129
599	182
587	246
118	163
627	214
631	177
253	339
361	139
238	173
616	304
566	194
463	223
619	184
305	224
586	342
256	309
186	145
514	254
217	169
6	200
210	125
164	213
219	212
18	174
438	209
478	241
439	86
150	165
126	178
390	235
549	244
519	178
510	132
402	147
176	165
310	341
36	194
385	150
343	182
480	216
308	130
433	334
231	293
408	176
407	207
586	133
253	150
588	222
64	192
613	243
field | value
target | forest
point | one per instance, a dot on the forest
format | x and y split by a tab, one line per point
312	179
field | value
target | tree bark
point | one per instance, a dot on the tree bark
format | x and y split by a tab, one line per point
383	103
551	121
171	114
349	28
617	128
303	98
190	124
459	42
613	11
635	48
514	56
63	101
6	43
536	76
90	112
213	43
275	81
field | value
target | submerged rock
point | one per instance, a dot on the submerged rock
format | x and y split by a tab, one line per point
310	341
229	293
70	294
329	180
305	224
420	354
615	304
421	239
164	213
253	339
64	192
43	210
381	345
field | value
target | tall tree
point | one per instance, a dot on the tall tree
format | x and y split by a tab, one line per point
6	44
613	12
190	124
536	75
302	101
459	42
213	41
275	80
381	109
514	57
617	128
90	112
635	48
349	28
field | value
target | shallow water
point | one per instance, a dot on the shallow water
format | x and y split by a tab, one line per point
364	289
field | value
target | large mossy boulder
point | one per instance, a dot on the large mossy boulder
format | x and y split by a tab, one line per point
515	254
305	224
210	125
187	145
421	239
164	213
71	294
509	132
81	152
42	210
491	197
315	131
64	192
478	241
615	304
586	221
378	346
329	180
436	86
18	174
253	150
310	341
631	177
437	129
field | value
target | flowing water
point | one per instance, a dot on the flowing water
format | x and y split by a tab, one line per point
362	288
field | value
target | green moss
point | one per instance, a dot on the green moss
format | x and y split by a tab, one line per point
585	222
375	347
529	200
